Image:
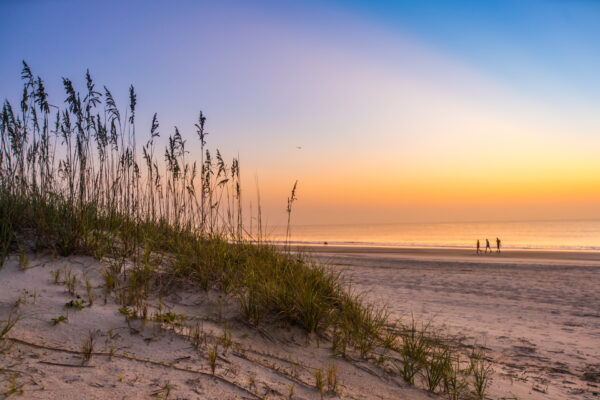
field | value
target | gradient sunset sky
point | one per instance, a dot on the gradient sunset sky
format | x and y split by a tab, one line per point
403	111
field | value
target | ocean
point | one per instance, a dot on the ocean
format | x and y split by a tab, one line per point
580	235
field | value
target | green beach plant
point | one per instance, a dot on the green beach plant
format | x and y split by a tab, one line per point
319	383
436	366
481	370
413	351
9	323
212	358
455	383
87	347
76	304
332	376
90	292
59	319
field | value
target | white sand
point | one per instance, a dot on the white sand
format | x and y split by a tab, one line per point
537	312
265	362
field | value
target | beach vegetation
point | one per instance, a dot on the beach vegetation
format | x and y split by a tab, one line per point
481	370
332	378
226	340
455	383
413	351
90	292
70	281
436	367
197	336
127	312
319	382
9	324
81	179
14	387
58	320
23	259
77	181
212	358
56	276
87	347
76	304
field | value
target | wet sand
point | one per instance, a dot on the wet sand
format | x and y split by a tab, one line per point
538	312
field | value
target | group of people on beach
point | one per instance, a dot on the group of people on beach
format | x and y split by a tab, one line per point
488	247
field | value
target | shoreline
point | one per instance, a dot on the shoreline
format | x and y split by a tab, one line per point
562	257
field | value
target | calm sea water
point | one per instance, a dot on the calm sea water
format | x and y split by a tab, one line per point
550	235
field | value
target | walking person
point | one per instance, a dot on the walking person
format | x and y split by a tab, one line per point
478	246
487	246
498	244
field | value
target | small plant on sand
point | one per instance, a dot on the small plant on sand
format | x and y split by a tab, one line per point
226	338
332	378
59	319
14	387
252	380
481	369
250	300
197	336
164	391
435	367
23	259
76	304
87	347
212	359
71	282
110	279
319	383
56	276
90	291
22	299
127	312
8	324
170	318
413	352
291	389
339	342
455	384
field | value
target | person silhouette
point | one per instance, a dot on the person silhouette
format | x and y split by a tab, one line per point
487	246
498	244
478	247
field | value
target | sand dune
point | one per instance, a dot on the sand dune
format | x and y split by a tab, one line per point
158	360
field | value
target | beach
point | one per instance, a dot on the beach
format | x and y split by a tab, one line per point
537	312
167	355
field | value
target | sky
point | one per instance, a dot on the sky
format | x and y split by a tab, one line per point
384	111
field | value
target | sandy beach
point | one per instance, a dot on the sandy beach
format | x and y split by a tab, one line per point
538	312
535	312
41	359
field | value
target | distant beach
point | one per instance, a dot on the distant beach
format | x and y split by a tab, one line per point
537	311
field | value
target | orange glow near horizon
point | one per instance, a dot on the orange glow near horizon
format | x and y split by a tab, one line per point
545	188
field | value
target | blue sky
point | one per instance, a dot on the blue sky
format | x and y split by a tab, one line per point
399	106
533	44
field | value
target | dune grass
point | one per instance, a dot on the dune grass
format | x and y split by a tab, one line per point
75	180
